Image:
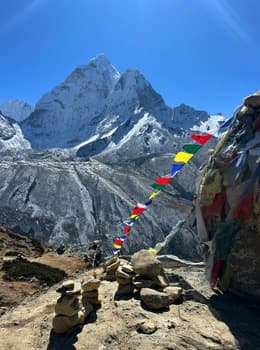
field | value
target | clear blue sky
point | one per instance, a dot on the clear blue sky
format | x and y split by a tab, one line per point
205	53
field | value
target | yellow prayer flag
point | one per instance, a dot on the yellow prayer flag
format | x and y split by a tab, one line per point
183	157
154	194
117	246
133	216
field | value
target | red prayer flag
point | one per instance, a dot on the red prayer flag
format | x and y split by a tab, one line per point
137	210
163	180
118	241
245	207
201	139
127	229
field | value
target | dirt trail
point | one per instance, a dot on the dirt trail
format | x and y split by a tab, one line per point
203	321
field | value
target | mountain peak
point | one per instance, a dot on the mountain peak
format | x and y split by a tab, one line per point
16	109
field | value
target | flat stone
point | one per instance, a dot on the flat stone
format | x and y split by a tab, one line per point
122	274
146	264
110	262
69	287
146	327
153	299
173	293
90	284
128	269
113	266
63	324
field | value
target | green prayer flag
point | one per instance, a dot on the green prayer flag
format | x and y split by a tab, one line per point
191	148
157	186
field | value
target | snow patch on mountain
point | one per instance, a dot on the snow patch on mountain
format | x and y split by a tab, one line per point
11	136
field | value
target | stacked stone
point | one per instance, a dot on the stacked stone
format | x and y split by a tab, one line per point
69	312
90	297
124	276
110	268
149	280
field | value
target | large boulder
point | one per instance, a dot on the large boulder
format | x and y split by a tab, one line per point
146	264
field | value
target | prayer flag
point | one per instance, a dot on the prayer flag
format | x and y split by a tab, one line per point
191	148
182	157
117	246
137	211
201	139
157	186
127	229
163	180
176	168
154	194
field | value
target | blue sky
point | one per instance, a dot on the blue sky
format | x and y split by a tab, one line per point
205	53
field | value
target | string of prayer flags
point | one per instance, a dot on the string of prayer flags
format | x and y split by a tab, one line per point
180	160
182	157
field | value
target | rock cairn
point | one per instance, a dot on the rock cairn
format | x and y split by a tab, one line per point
90	297
69	311
109	269
145	274
124	276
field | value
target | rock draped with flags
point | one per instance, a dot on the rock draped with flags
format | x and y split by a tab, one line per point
179	161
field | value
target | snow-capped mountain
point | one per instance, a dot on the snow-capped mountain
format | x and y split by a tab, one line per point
66	115
66	188
11	136
96	110
16	109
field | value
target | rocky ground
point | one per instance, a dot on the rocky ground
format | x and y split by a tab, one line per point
205	320
13	292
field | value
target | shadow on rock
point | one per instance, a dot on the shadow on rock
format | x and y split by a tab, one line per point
241	316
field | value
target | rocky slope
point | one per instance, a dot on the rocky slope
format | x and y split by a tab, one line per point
203	321
74	202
